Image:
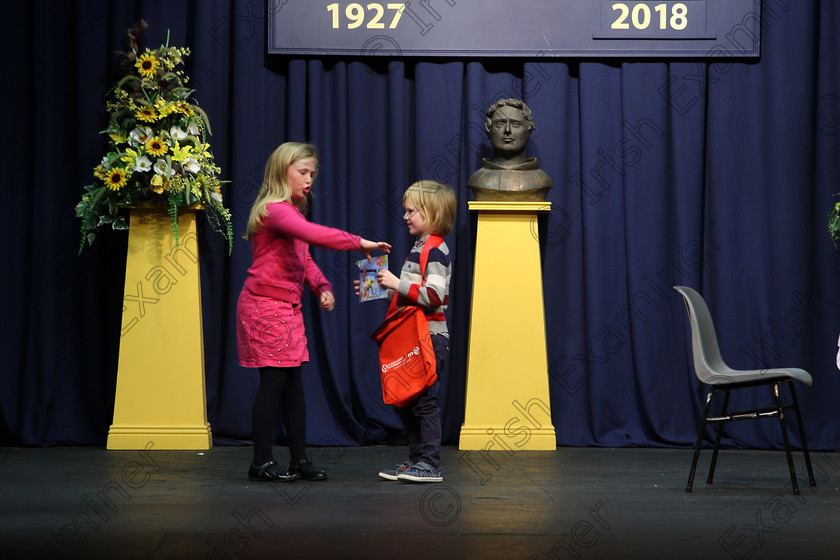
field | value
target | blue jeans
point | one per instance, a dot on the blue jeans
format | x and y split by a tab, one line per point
422	415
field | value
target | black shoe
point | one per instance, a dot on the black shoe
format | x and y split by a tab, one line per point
270	472
306	471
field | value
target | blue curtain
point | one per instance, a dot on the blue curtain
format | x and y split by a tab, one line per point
715	173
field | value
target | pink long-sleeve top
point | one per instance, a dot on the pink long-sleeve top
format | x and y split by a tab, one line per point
281	262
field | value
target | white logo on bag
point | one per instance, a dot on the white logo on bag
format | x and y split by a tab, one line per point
400	361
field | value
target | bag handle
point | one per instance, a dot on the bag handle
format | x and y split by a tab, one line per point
432	241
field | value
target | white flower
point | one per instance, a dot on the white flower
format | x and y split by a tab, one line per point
142	163
163	168
193	129
106	163
218	198
177	133
139	136
191	165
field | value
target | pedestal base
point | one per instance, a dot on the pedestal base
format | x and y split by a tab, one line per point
137	437
507	396
534	439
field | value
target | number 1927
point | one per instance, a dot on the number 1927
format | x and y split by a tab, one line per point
641	16
355	15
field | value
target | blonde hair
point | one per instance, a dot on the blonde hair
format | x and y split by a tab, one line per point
274	186
435	202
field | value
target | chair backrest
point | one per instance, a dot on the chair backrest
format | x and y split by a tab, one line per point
708	363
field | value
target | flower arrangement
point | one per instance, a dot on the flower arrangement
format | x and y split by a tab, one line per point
834	222
157	147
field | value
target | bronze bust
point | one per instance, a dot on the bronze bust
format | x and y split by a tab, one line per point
510	175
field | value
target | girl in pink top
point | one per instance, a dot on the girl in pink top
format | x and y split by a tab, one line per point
270	330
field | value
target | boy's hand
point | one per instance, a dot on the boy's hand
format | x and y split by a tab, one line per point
387	280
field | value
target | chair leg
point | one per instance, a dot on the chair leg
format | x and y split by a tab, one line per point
786	439
723	411
700	431
811	480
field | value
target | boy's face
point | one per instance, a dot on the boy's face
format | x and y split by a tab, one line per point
414	220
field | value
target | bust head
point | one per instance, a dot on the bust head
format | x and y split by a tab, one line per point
508	126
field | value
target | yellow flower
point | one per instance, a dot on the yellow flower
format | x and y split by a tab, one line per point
115	179
180	153
119	137
146	114
157	184
100	172
176	184
147	65
130	156
164	107
156	146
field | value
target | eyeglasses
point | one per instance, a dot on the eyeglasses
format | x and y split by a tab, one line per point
410	213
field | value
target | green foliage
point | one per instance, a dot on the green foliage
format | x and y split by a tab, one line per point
834	222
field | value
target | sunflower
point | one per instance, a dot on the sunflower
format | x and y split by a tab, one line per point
156	147
147	65
146	114
115	178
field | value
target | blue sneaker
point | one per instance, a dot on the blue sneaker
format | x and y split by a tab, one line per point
393	472
421	472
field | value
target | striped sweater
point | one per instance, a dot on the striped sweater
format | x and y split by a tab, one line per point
433	295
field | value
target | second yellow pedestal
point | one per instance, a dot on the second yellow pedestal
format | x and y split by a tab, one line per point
507	395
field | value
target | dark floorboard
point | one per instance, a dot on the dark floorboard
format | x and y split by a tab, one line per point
572	503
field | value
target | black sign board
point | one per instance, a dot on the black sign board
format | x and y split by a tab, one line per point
524	28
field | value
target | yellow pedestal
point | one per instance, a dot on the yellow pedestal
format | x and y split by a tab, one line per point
507	399
160	397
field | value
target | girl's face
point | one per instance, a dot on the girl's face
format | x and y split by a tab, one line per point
300	176
415	221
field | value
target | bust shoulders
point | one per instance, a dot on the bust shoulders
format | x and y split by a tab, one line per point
525	181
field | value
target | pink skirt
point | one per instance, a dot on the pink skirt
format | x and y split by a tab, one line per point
269	332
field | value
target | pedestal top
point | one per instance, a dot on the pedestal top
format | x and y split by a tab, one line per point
509	206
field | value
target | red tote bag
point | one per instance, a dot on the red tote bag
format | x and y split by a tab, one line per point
406	355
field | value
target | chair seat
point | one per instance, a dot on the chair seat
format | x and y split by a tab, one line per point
726	375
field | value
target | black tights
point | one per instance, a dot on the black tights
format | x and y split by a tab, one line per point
281	387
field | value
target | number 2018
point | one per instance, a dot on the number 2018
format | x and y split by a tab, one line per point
641	16
355	14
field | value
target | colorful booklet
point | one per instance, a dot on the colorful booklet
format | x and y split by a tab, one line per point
369	288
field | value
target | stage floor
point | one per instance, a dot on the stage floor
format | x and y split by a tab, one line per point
572	503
